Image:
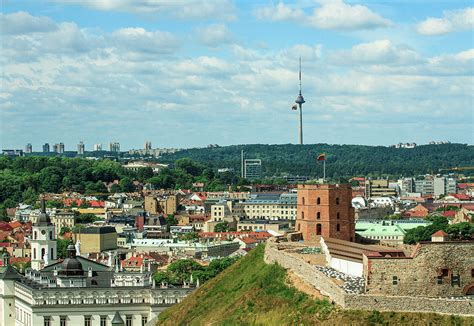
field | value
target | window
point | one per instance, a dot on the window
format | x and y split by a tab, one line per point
445	272
47	321
338	227
394	280
338	215
455	280
52	254
144	320
302	215
337	200
318	201
318	229
318	215
34	253
302	199
103	320
87	321
50	235
62	321
42	253
128	320
439	279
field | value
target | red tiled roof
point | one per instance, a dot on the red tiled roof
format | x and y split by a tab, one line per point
15	224
5	227
461	196
440	233
248	240
449	213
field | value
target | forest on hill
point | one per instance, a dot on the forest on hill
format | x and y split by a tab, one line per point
341	160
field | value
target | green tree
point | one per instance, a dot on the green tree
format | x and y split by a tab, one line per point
63	230
221	227
126	185
62	245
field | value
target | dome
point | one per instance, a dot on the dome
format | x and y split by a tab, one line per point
43	218
71	266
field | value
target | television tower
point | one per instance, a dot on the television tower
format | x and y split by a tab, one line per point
300	100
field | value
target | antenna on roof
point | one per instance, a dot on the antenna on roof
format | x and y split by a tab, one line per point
300	75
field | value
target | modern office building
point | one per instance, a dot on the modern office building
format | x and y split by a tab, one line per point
97	147
379	188
80	148
147	145
59	148
46	148
252	169
114	147
28	148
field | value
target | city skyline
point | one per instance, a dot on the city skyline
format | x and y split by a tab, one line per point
226	72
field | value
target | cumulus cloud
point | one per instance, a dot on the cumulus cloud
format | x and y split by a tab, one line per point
130	77
183	9
214	35
23	23
137	39
452	21
376	52
335	15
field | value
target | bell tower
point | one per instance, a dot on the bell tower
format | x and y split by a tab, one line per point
43	242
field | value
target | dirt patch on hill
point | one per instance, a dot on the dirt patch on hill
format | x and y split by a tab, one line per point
301	285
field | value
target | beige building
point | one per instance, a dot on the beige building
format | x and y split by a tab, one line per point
167	204
379	188
96	239
63	219
262	225
273	207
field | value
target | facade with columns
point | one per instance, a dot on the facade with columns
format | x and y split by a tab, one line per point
78	291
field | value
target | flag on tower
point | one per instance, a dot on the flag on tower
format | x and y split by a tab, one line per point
321	157
294	107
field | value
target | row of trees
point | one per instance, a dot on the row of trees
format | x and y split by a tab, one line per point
181	270
342	160
459	231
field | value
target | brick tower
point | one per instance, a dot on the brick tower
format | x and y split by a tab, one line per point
325	210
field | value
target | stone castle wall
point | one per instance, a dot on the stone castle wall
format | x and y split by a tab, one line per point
327	287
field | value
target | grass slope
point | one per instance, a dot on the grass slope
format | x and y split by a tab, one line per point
251	292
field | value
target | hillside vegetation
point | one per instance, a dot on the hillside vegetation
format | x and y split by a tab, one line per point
342	160
251	292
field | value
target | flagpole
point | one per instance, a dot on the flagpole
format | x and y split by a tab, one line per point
324	170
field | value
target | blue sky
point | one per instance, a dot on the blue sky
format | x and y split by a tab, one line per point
189	73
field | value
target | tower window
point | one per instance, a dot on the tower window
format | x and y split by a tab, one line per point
302	200
318	201
338	215
318	229
302	215
338	227
318	215
337	200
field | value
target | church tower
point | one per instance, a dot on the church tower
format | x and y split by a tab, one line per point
43	242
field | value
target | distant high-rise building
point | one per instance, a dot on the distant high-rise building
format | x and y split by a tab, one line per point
97	147
147	145
252	169
46	148
80	148
28	149
58	148
114	147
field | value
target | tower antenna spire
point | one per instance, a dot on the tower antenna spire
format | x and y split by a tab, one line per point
300	75
299	101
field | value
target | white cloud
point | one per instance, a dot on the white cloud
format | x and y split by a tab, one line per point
137	39
183	9
454	20
335	15
280	12
23	23
214	35
376	52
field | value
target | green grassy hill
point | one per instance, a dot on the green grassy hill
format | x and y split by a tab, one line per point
251	292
